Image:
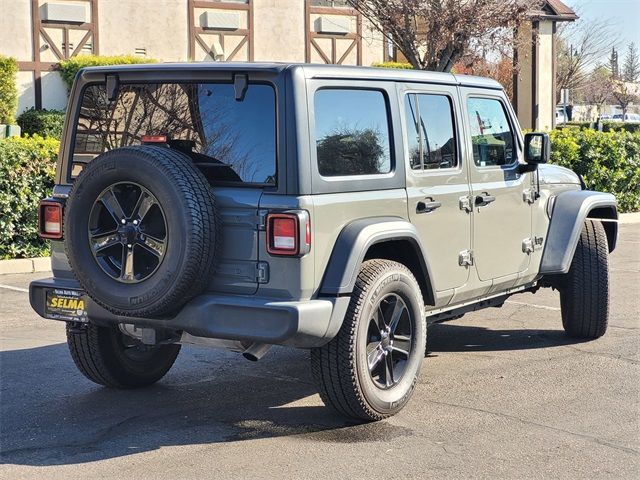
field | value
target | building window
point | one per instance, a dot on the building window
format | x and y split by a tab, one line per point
331	3
352	132
430	132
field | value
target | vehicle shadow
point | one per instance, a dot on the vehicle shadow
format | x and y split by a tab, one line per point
51	415
451	337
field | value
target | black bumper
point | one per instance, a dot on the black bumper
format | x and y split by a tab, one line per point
305	324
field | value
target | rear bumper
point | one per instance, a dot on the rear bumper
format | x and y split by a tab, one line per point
304	324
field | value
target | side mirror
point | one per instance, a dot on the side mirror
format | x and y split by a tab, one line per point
537	148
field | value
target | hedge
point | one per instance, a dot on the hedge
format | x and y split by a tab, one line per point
606	126
69	68
47	123
27	167
404	66
8	89
608	161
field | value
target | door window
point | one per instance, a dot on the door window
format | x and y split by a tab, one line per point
491	135
430	132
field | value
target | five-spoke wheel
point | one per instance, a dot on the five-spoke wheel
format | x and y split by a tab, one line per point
128	232
388	341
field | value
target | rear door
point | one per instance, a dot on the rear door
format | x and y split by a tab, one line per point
502	214
437	180
231	141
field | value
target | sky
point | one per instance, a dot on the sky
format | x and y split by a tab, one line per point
623	14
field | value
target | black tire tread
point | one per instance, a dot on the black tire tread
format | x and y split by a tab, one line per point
98	364
584	296
333	365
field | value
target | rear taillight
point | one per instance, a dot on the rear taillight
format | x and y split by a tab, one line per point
50	219
288	233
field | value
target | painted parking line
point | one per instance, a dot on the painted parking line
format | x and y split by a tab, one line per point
15	289
543	307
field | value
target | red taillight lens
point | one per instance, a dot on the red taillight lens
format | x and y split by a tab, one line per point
282	234
289	233
50	219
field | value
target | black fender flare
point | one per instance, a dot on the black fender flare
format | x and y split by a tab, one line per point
352	245
570	210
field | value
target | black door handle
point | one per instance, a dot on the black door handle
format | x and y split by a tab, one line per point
426	207
484	199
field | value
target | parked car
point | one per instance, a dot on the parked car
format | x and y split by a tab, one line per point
336	209
627	117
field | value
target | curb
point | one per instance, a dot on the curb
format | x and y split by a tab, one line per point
43	264
627	218
25	265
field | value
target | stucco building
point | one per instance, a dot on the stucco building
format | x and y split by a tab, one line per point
40	33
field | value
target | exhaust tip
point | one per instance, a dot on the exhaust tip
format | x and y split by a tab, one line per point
250	356
256	351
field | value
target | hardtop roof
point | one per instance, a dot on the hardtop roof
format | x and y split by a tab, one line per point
310	71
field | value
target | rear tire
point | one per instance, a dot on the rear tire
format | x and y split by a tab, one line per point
108	357
343	368
584	292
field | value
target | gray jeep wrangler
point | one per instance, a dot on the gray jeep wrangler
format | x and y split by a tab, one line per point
337	209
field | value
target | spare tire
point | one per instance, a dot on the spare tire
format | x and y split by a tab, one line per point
140	230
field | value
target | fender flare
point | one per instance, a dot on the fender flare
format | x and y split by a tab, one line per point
570	210
352	245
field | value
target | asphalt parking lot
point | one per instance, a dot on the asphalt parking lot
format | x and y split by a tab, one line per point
503	393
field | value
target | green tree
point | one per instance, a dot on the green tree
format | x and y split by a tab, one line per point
631	67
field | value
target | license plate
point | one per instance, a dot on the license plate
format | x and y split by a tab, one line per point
68	305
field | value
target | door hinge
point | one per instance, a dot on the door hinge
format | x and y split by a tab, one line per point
465	259
262	219
262	272
465	204
529	245
530	196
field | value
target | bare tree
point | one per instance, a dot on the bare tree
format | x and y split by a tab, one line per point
598	92
436	34
622	95
580	46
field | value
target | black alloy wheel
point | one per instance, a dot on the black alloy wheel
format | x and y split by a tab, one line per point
389	341
128	232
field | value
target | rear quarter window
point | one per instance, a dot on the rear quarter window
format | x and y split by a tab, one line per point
352	132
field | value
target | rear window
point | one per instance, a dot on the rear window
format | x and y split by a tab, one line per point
352	132
229	140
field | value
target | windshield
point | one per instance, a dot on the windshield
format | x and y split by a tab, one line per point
229	140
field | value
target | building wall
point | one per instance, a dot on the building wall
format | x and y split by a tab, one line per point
535	85
160	29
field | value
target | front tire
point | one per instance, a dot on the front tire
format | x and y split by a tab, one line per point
108	357
369	370
584	292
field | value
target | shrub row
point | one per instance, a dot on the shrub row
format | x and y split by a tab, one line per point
608	161
404	66
27	167
606	126
69	68
47	123
8	89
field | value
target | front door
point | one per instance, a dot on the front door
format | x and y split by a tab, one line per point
436	182
501	211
